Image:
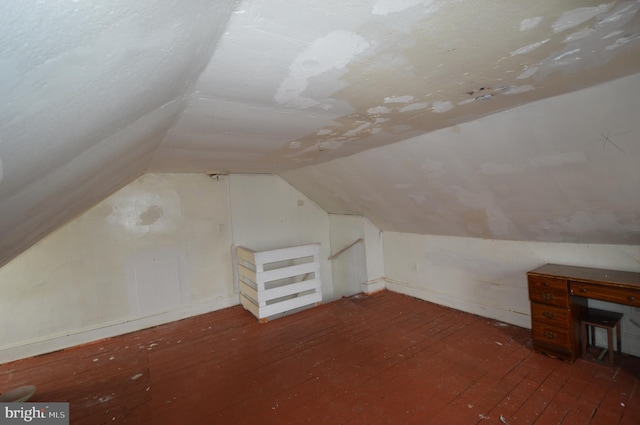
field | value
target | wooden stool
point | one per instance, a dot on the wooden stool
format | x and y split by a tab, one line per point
607	320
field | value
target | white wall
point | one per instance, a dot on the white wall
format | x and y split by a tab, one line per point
374	248
269	213
488	277
349	267
156	251
359	268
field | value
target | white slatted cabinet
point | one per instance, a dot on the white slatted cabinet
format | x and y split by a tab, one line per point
278	281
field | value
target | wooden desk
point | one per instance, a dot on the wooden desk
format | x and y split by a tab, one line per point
558	296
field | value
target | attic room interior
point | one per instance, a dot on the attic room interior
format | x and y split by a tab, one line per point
434	152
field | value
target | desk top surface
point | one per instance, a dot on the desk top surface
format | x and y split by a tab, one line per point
588	274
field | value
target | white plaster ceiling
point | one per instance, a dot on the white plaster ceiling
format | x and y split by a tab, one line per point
563	169
95	94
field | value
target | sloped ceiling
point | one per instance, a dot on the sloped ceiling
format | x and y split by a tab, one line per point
565	169
94	94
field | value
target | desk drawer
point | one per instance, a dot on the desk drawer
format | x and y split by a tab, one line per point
552	335
606	293
548	290
556	316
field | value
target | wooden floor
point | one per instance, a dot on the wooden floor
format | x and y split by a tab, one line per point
380	359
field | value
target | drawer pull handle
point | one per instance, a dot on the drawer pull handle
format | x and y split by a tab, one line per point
549	315
583	290
545	283
550	335
632	298
547	296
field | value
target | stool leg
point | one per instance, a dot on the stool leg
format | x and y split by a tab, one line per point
610	344
583	338
618	339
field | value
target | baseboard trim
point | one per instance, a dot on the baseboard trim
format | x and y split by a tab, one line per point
375	285
83	336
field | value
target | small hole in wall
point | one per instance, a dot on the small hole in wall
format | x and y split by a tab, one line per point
217	176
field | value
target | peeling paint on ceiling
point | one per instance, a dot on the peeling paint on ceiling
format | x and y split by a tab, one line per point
101	93
546	171
401	69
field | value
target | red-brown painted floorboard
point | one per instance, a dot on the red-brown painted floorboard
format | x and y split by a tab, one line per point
380	359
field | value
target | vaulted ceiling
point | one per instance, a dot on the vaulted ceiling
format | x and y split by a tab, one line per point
94	94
